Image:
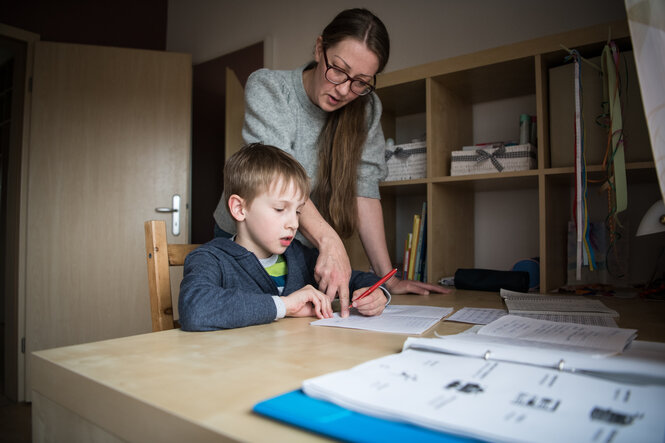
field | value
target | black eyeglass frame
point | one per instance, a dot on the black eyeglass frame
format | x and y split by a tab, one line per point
369	86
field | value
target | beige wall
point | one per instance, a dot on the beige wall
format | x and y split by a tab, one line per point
421	30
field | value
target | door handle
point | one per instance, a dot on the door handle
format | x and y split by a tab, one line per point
174	210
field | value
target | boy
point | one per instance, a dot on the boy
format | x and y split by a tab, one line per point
262	273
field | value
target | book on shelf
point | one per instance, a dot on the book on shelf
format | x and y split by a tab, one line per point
407	253
421	247
414	246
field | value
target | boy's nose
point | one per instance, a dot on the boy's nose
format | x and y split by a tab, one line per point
292	222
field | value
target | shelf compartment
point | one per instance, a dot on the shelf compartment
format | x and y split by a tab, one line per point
636	172
558	191
494	181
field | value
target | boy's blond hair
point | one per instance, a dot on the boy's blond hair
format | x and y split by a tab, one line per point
256	167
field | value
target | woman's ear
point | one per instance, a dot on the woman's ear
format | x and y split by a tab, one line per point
318	49
237	207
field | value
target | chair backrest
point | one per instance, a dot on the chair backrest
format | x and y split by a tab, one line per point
160	256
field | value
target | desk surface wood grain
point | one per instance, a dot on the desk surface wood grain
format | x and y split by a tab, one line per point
175	385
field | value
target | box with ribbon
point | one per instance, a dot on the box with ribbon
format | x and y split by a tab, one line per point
406	161
493	158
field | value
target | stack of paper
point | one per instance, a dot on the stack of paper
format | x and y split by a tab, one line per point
559	308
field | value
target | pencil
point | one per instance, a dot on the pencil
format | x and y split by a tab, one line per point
374	286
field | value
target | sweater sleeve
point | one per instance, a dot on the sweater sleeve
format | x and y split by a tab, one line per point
267	111
372	168
205	304
361	279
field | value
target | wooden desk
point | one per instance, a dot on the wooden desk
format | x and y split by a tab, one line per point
183	386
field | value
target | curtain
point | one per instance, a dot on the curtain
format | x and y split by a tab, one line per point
646	20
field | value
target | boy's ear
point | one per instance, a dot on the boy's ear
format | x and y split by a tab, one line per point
237	207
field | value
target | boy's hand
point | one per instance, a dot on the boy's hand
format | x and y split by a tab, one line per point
373	304
308	302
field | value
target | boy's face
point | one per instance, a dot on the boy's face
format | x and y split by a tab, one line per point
271	221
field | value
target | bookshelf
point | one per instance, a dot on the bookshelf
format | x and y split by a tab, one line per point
443	94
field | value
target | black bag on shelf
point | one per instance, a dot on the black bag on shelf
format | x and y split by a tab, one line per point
491	280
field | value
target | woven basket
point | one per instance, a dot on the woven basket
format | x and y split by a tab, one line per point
407	161
498	158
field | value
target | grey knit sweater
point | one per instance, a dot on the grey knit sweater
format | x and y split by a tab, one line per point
279	113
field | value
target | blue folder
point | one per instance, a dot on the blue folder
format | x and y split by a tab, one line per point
322	417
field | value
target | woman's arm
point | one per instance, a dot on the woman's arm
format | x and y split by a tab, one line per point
333	269
373	237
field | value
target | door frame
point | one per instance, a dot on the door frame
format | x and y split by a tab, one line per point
14	254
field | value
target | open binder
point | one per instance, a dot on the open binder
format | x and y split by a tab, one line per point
642	362
498	401
494	388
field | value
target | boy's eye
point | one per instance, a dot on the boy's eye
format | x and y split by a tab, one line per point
279	209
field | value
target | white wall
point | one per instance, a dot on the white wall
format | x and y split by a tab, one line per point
421	31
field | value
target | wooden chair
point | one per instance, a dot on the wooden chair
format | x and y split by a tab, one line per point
160	257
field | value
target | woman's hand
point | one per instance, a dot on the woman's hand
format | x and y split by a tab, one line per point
333	271
397	286
333	268
307	302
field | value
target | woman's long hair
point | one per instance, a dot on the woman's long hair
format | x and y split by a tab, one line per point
345	131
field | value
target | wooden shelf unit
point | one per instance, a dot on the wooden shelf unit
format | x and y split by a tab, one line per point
445	92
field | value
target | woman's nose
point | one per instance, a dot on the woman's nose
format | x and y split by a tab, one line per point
344	88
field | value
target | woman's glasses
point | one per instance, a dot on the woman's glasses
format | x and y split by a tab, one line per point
337	76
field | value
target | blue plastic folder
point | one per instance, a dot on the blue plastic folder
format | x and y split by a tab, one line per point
322	417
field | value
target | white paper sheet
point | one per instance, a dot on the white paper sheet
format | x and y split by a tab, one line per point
595	320
399	319
483	316
594	338
477	316
643	362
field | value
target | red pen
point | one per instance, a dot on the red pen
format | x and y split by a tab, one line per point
374	286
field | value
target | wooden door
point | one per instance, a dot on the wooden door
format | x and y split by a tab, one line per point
109	142
235	114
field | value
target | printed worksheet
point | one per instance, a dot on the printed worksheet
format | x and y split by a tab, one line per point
483	316
594	338
581	319
477	316
398	319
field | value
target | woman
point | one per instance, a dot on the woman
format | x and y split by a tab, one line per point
327	116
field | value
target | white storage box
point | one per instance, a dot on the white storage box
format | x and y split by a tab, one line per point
407	161
497	158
